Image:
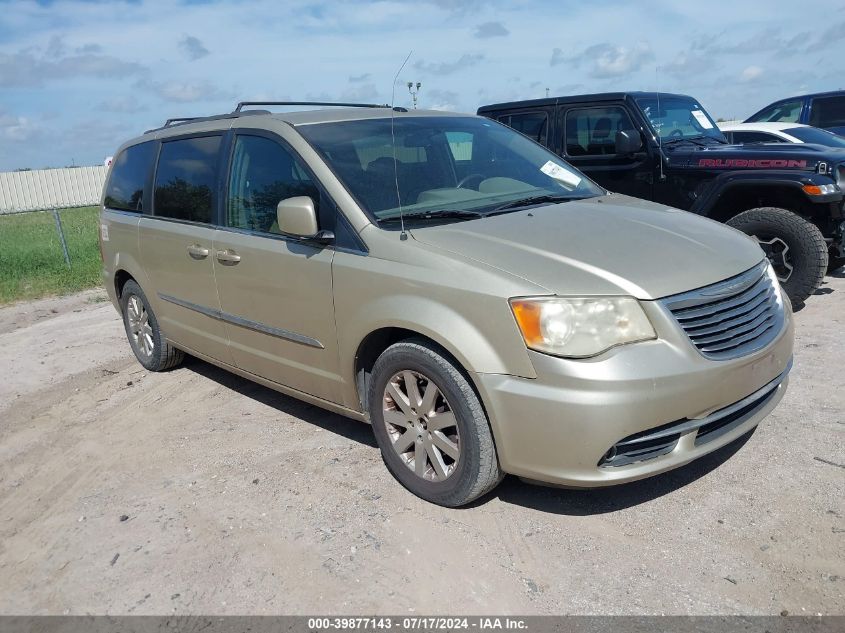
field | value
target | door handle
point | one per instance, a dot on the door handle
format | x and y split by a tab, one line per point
197	252
228	257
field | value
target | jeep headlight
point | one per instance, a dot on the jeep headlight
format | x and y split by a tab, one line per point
820	190
580	327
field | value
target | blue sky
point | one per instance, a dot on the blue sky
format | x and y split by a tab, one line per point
78	78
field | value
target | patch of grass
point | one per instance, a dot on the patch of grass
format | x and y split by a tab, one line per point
31	260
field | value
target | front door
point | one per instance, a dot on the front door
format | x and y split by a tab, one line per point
176	246
275	292
587	140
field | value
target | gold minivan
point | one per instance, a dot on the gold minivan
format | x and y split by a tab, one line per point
484	305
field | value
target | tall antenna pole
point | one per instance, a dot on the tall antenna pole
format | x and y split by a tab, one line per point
402	234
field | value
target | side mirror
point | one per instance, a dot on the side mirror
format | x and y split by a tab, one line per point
628	142
297	218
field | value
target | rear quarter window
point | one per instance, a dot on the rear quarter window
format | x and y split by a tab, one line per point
828	111
125	189
185	179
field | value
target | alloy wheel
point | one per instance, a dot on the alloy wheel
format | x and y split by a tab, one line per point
421	425
139	326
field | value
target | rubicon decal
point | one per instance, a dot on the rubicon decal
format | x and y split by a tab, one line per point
761	163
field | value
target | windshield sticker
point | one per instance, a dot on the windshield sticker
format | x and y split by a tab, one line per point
702	119
557	172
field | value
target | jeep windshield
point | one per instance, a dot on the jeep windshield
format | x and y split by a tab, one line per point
676	118
443	168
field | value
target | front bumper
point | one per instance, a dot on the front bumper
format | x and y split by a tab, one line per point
559	427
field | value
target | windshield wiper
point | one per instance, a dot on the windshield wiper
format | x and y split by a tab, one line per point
695	140
524	202
459	214
701	140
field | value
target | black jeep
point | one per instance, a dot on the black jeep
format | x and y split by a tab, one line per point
666	148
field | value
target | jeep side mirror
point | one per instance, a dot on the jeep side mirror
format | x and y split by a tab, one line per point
628	142
297	218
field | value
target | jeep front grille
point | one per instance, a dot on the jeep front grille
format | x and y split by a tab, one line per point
732	318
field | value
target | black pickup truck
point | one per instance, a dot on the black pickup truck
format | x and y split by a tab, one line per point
666	148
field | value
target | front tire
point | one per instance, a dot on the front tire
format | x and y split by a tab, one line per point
795	247
145	336
430	426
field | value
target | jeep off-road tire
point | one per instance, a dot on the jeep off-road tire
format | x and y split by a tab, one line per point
145	336
807	251
449	458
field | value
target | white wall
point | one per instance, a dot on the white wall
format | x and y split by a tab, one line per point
51	188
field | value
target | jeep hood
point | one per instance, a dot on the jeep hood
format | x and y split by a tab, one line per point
790	156
612	245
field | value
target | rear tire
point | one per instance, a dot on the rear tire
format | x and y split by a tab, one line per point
436	441
145	336
795	246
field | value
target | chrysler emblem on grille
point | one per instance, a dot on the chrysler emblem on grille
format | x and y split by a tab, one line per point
732	289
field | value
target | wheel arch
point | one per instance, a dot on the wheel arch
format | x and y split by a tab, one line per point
733	192
487	342
376	342
121	276
125	267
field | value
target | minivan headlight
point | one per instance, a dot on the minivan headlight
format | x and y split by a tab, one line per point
580	327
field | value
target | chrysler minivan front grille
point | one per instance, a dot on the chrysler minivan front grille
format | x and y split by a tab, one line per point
732	318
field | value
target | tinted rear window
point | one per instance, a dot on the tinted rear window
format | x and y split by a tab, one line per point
184	184
828	111
129	173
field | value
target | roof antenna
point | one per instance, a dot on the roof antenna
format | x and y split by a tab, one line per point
659	138
402	235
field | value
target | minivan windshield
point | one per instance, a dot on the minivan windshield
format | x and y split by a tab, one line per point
677	117
443	167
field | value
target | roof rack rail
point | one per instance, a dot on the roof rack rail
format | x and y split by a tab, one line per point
183	119
199	119
309	103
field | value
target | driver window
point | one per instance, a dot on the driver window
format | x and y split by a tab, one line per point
263	173
592	131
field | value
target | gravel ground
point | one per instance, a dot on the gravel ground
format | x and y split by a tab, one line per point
194	491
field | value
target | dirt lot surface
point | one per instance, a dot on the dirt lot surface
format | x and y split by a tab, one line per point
194	491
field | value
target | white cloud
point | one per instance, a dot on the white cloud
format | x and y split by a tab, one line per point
18	128
751	73
606	60
615	61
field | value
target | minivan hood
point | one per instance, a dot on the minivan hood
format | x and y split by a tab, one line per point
609	245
